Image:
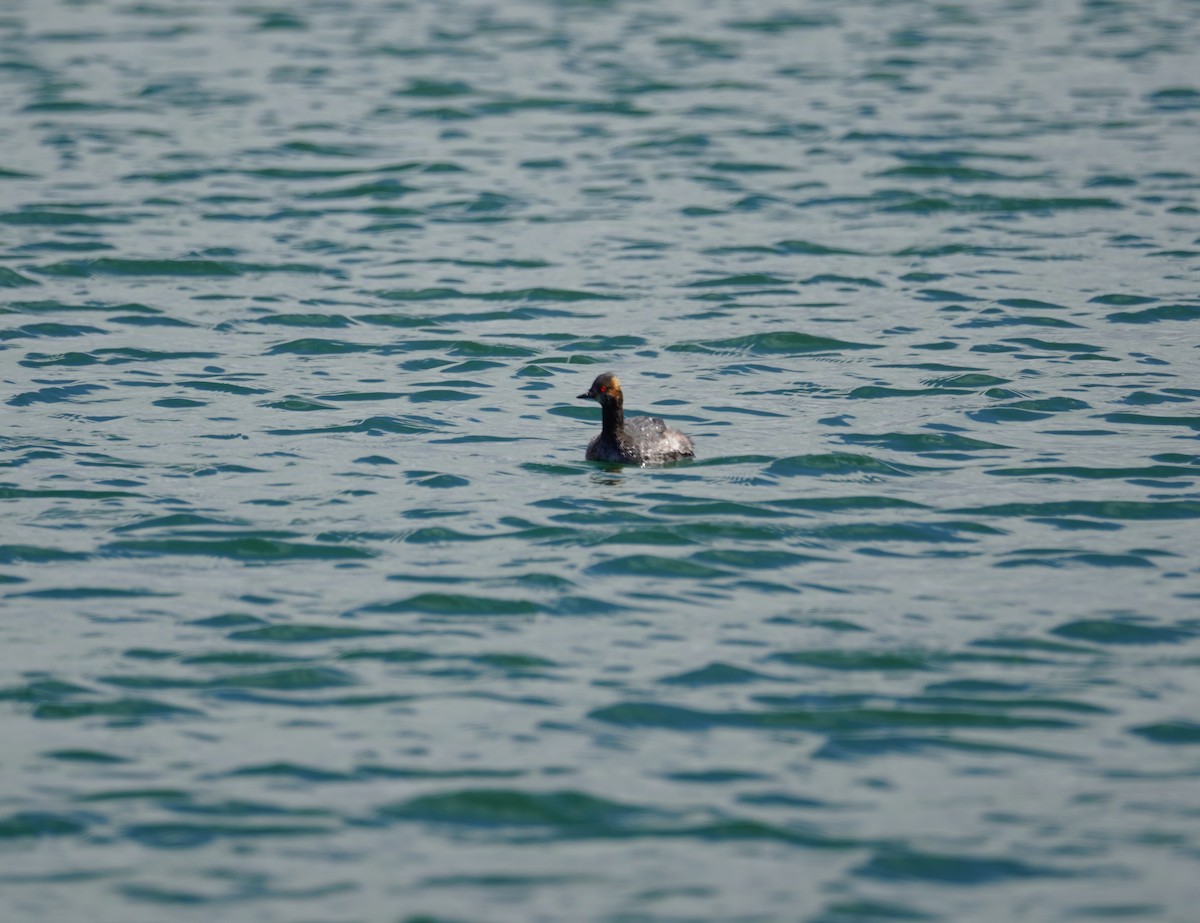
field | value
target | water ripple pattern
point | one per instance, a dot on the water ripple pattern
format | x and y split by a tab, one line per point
312	608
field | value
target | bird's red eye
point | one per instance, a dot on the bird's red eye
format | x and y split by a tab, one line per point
603	388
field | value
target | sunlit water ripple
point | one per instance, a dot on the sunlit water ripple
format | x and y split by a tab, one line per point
312	608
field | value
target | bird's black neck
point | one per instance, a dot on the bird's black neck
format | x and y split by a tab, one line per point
613	419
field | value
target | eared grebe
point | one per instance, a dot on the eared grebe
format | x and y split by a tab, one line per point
641	440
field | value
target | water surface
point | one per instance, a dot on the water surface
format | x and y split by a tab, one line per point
312	609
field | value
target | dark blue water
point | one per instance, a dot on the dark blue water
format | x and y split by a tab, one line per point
311	609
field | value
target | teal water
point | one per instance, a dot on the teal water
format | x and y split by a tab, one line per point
310	608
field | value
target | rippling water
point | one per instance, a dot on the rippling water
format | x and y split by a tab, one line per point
312	609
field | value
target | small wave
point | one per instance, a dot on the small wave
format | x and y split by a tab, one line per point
457	604
770	344
239	548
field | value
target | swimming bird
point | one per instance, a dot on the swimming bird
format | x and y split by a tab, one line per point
641	440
